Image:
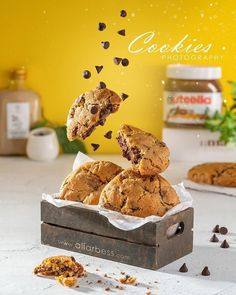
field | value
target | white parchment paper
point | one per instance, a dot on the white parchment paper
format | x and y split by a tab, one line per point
121	221
230	191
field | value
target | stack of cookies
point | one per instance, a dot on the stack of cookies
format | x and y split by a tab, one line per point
139	190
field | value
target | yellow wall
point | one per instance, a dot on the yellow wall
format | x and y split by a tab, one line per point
56	40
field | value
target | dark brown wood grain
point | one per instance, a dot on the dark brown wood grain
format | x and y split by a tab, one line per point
82	230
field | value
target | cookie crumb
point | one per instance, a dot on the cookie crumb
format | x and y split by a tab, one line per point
99	281
128	280
107	289
67	281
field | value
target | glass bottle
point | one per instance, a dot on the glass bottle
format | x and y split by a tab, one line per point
19	109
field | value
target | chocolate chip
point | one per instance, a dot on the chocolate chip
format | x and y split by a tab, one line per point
223	230
214	239
125	62
205	271
86	74
98	68
108	135
124	96
123	13
121	32
102	85
183	268
216	229
105	44
101	26
94	110
95	146
117	60
224	244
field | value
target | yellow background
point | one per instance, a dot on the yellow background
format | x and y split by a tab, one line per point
56	40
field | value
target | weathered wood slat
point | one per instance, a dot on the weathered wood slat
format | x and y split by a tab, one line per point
88	232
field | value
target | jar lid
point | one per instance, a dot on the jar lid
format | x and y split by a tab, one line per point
190	72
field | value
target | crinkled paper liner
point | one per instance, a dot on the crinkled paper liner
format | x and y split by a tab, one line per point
123	222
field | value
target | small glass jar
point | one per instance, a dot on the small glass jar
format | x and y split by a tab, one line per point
191	95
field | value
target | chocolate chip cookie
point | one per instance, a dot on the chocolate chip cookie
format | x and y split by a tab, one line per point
144	150
59	265
90	110
223	174
86	183
133	194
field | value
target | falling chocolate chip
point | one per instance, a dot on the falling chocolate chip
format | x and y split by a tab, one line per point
117	60
94	110
101	26
123	13
121	32
214	239
108	135
223	230
102	85
95	146
86	74
98	68
125	62
205	271
183	268
216	229
105	44
224	244
124	96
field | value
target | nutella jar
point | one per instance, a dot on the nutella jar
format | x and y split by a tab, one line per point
191	95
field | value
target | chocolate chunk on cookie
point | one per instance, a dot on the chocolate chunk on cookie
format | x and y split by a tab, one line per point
90	110
222	174
86	183
59	265
144	150
133	194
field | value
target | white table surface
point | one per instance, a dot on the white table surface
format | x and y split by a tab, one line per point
21	184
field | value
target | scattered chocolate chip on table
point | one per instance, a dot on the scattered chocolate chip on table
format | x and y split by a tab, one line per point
124	96
205	271
223	230
183	268
214	239
216	229
224	244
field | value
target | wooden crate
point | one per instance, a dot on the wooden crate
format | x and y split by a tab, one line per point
86	231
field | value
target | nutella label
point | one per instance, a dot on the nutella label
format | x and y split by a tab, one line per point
18	120
190	107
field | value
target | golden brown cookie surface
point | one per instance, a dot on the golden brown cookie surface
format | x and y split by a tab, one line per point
223	174
144	150
133	194
90	110
67	281
59	265
86	183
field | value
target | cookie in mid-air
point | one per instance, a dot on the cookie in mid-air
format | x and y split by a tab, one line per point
86	183
222	174
55	266
90	110
144	150
133	194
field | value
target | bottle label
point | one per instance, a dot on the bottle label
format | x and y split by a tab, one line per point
190	107
18	120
